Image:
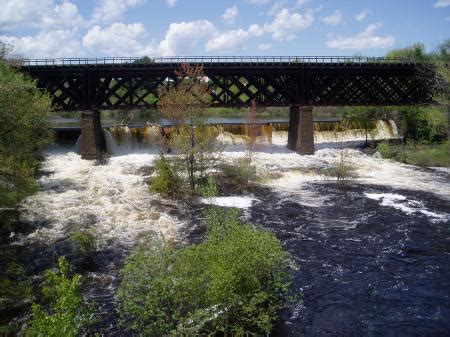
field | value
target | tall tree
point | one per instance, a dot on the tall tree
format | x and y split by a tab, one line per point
184	102
24	130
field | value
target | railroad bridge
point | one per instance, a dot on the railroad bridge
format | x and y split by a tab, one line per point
91	85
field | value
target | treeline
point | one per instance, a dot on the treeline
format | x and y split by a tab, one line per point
24	131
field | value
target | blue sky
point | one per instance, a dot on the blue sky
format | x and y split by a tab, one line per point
77	28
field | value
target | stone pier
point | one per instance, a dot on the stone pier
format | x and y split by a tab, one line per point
92	140
301	131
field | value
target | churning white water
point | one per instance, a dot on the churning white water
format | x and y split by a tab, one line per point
112	199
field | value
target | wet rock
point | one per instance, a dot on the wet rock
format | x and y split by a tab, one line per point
145	170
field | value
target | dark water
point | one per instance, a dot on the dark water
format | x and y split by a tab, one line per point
365	269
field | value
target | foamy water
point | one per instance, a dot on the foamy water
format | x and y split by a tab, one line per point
112	199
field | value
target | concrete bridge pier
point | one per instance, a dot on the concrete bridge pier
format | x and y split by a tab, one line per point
92	139
301	131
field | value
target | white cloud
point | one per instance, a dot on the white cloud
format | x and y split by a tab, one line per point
264	46
233	40
43	14
441	3
64	15
110	10
56	43
117	39
362	15
184	37
334	19
230	15
255	30
171	3
363	40
18	11
285	25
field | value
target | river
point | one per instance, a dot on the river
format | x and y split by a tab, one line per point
373	254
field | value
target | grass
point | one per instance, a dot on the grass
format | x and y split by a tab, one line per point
424	155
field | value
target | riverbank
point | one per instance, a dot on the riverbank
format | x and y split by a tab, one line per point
424	155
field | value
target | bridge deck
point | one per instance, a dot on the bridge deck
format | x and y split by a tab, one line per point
124	83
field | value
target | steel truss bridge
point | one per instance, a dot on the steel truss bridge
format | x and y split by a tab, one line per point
126	83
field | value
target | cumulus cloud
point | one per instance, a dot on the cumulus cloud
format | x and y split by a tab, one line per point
18	11
230	15
184	37
171	3
333	19
56	43
441	3
233	40
362	15
42	14
111	10
363	40
64	15
117	39
285	25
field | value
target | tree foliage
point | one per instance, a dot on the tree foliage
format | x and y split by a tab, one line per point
24	130
416	51
184	102
234	283
67	314
439	60
166	180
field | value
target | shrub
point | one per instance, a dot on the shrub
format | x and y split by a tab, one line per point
234	283
241	172
85	242
209	188
166	180
67	315
342	170
430	155
387	151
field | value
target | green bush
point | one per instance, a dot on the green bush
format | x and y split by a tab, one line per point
85	242
209	188
240	173
166	180
430	155
67	315
387	151
234	283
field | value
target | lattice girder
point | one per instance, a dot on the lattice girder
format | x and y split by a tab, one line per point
136	86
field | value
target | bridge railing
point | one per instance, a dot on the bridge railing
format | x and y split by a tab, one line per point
123	61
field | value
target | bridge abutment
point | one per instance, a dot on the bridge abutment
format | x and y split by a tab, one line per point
301	131
92	140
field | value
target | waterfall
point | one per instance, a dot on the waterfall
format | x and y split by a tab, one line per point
122	140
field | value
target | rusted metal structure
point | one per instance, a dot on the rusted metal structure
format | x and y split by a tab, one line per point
96	84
